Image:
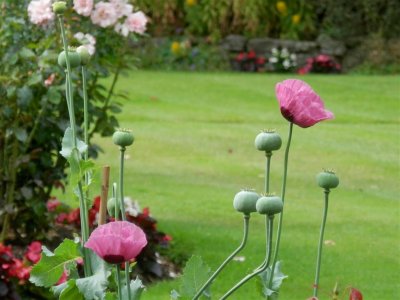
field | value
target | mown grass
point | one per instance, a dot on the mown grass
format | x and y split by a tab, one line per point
194	150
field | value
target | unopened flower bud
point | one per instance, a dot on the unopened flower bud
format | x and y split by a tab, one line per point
59	7
111	206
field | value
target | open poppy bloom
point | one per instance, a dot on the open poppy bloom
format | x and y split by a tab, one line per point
300	104
117	242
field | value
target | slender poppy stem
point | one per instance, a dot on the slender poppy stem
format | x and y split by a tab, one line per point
246	219
269	227
278	235
82	201
321	239
119	282
122	207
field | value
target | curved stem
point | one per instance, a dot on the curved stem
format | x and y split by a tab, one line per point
246	219
321	238
269	227
278	235
119	284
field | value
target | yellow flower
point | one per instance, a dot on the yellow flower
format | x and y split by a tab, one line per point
281	7
296	19
191	2
175	47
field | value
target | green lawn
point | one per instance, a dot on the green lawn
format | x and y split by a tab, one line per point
194	150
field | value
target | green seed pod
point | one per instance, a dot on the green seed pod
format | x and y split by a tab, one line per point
268	141
123	137
111	206
269	205
84	54
59	7
327	180
74	59
245	201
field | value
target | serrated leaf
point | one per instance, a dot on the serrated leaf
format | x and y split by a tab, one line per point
136	287
68	144
50	268
272	292
71	291
195	274
93	287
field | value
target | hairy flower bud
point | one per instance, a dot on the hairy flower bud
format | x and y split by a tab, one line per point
327	180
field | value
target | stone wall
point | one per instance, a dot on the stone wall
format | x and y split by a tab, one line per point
303	49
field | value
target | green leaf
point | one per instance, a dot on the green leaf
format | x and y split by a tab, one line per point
93	287
26	53
54	95
71	292
50	268
68	144
20	134
276	281
136	287
111	296
24	96
35	79
195	274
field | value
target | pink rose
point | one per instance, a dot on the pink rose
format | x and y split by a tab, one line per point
104	14
122	8
299	104
40	12
83	7
136	22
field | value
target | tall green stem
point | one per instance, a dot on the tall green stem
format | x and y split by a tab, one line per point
321	239
278	235
122	204
267	171
119	284
246	219
85	113
269	227
82	201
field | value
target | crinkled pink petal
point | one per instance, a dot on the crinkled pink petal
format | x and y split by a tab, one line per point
300	104
117	242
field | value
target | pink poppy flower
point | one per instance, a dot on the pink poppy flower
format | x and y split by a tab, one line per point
117	242
104	14
300	104
136	22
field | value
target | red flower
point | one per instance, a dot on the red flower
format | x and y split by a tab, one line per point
61	218
241	56
19	270
355	294
52	204
261	61
251	54
33	253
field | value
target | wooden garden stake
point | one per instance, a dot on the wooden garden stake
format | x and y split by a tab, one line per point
104	195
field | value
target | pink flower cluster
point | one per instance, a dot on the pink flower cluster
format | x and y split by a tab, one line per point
40	12
117	13
114	13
